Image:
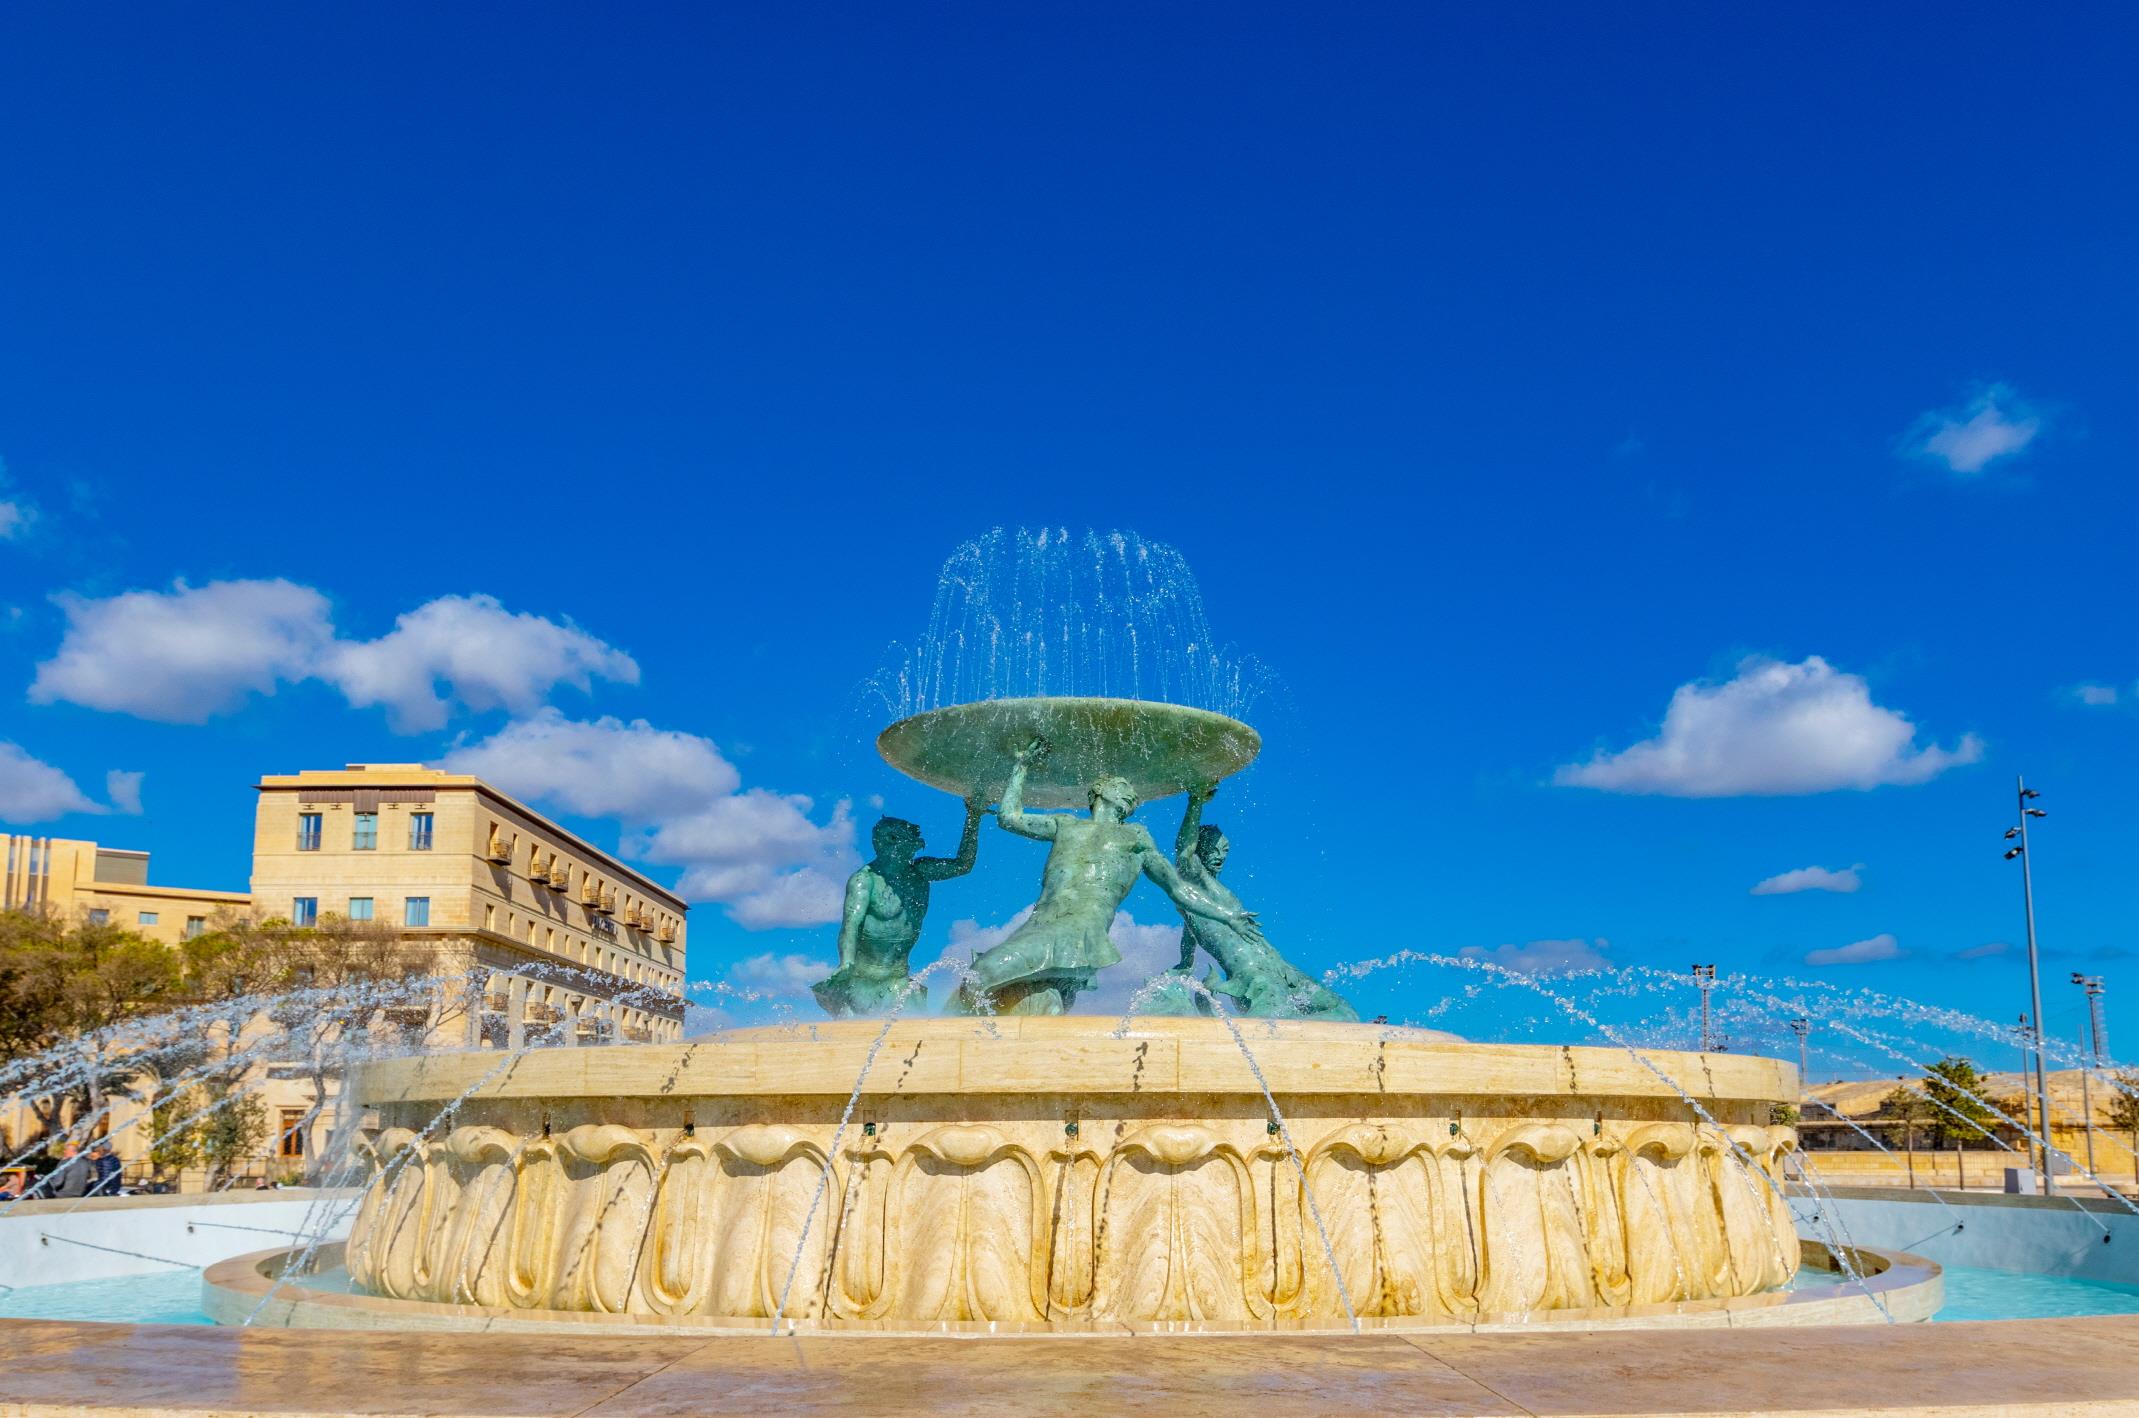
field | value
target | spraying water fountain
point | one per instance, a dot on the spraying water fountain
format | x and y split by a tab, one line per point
1236	1154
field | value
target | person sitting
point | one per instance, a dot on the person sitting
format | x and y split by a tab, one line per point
106	1168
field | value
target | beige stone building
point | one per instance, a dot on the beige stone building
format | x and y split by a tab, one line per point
81	881
557	936
542	937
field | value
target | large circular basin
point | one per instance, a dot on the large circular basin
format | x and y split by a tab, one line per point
1060	1173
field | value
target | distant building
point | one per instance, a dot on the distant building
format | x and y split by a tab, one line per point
556	935
542	937
78	882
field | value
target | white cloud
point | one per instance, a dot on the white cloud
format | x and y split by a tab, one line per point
1858	952
1984	951
1544	957
600	768
17	514
124	790
1811	879
761	854
32	790
1146	949
481	654
1995	424
1774	729
192	652
779	975
184	655
2095	695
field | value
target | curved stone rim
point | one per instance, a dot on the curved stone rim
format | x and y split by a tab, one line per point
1162	749
1910	1287
1075	1055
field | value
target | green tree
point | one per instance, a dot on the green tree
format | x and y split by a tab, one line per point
233	1132
215	1126
2124	1111
1908	1108
1960	1118
62	983
174	1135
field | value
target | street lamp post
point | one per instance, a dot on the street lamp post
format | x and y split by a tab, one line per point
1801	1027
1704	979
2092	984
2024	794
2024	1040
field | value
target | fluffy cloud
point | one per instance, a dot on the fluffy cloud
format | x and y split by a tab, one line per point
1146	949
763	855
1811	879
1858	952
779	975
480	653
601	768
192	652
1995	424
14	518
1544	957
32	790
1773	729
2095	696
184	655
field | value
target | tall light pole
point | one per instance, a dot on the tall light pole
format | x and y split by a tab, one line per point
2092	984
2023	795
1704	980
1802	1026
2024	1040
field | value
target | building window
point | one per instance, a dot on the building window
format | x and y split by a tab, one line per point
196	926
307	831
419	832
145	918
304	911
98	916
360	908
416	911
366	833
290	1137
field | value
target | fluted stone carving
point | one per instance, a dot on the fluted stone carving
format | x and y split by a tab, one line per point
1021	1220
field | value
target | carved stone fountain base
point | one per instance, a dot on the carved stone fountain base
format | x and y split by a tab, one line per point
1045	1172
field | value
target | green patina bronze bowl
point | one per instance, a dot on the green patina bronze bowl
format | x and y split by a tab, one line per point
1161	749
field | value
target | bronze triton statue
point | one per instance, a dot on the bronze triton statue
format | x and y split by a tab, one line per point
887	900
1261	981
1053	956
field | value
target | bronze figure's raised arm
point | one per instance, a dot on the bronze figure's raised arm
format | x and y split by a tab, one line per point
1050	959
881	917
1261	981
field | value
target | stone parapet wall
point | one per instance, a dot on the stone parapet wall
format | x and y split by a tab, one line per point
679	1181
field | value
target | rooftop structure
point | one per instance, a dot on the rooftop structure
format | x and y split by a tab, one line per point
80	881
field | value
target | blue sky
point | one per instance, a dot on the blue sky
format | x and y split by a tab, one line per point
1501	374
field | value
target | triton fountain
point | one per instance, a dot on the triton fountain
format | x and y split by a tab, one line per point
1249	1156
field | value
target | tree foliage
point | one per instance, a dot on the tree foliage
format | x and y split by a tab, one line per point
1907	1106
65	984
2124	1101
214	1126
1961	1118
